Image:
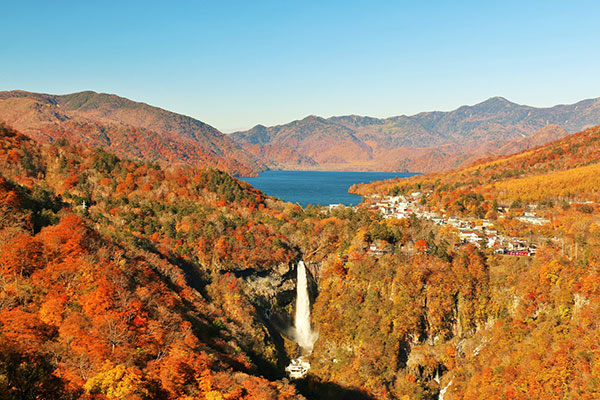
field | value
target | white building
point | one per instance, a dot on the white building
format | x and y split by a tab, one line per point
297	368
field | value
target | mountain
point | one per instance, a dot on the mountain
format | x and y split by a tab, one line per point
127	128
562	170
547	134
425	142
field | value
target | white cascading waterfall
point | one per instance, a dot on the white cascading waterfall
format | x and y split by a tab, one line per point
303	333
443	391
305	336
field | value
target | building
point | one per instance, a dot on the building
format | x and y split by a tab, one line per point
297	368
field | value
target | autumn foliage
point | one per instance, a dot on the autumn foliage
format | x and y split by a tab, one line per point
91	309
122	279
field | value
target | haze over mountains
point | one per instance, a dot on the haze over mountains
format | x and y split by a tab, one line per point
425	142
127	128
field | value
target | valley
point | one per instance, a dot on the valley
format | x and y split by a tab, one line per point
181	281
281	200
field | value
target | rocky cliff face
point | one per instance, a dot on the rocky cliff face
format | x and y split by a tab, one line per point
273	293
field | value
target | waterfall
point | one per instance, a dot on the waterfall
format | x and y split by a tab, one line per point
305	336
443	391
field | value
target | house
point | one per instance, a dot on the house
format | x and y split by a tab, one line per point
380	248
470	236
297	368
516	252
529	218
486	223
492	240
334	206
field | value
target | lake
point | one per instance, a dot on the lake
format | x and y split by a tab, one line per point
317	187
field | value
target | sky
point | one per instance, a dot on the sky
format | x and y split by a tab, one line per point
235	64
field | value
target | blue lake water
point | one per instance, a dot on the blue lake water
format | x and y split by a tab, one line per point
317	187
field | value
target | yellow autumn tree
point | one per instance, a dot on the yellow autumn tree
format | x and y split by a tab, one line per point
117	382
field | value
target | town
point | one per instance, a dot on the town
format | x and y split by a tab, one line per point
481	233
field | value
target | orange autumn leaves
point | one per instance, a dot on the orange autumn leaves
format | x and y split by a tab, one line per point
100	299
109	322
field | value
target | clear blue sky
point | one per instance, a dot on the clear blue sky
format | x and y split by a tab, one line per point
237	64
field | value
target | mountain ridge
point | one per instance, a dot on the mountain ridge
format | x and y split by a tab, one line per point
145	132
424	142
530	171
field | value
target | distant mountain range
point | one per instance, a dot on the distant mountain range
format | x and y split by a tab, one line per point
425	142
127	128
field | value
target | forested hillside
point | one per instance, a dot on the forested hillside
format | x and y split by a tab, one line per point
564	169
103	295
508	327
123	279
124	127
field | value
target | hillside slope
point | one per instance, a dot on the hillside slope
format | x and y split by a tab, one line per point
125	127
471	315
425	142
123	279
103	295
562	169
